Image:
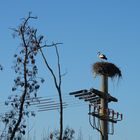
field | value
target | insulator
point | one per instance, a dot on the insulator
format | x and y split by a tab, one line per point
121	116
89	108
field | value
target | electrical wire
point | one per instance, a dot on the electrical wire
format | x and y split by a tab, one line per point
70	101
94	122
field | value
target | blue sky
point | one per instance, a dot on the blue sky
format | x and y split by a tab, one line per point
84	27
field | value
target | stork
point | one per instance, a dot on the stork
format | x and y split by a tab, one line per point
102	56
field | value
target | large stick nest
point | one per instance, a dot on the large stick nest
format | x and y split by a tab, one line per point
107	69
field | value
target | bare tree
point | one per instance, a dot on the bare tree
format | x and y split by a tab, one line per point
57	82
36	45
26	82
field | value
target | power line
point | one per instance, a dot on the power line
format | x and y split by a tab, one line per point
49	101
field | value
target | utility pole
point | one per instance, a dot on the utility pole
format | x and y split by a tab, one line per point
104	108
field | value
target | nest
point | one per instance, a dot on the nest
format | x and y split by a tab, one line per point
107	69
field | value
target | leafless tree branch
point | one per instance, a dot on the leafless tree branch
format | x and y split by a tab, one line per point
57	84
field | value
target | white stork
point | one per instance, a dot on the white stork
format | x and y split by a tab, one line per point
102	56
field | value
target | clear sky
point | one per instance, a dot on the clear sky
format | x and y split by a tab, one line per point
84	27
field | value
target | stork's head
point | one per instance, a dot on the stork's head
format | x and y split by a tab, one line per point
98	53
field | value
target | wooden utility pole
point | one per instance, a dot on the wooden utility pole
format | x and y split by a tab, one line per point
104	108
